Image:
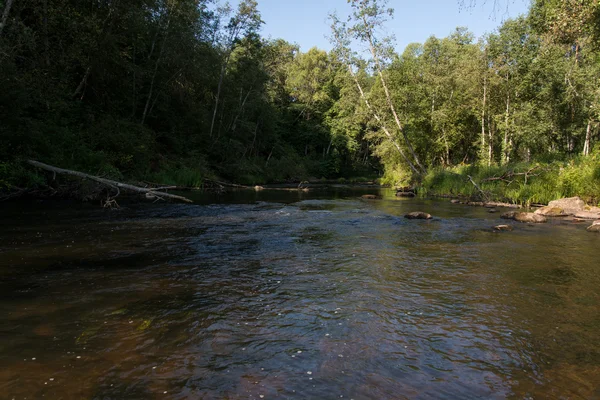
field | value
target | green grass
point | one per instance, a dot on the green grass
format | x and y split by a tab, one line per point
579	176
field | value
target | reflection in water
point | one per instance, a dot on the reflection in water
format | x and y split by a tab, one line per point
318	297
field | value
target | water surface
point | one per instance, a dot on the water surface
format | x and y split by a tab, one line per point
277	294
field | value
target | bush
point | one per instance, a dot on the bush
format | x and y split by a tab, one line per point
521	183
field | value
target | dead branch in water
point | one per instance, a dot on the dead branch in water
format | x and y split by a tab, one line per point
150	193
483	194
510	174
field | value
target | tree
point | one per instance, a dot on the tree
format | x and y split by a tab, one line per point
244	23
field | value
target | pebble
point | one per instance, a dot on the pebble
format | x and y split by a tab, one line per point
309	372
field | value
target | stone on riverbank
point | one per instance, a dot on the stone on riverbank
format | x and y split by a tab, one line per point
418	215
570	205
551	211
587	215
525	217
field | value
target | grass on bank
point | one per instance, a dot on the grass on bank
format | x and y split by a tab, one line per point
521	183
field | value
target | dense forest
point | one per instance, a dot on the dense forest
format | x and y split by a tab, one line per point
180	91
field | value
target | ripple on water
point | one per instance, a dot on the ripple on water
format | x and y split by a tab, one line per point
243	300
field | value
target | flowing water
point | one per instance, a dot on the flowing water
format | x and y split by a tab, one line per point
276	294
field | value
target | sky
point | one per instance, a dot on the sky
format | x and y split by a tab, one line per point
305	21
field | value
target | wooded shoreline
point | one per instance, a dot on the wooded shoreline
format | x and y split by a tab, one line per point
187	94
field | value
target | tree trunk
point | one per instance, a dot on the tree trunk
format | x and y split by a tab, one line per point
381	123
108	182
162	50
389	98
506	150
83	82
46	41
218	95
7	7
491	131
242	104
483	115
588	138
447	146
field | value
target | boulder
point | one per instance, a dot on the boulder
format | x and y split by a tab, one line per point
501	228
524	217
551	212
595	227
570	205
418	215
587	215
369	196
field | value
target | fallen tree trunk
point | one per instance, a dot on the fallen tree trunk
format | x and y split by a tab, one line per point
231	185
108	182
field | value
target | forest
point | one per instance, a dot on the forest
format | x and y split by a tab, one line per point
185	91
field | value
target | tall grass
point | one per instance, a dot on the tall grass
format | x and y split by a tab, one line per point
543	182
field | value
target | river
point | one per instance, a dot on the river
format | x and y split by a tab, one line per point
293	295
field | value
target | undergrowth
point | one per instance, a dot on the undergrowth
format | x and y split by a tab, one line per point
520	183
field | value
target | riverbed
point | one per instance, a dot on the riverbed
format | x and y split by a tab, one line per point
295	295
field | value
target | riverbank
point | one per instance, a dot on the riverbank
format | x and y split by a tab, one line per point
523	184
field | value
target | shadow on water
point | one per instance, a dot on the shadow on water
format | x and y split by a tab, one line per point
295	295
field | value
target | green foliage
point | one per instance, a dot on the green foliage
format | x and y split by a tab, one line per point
521	183
177	92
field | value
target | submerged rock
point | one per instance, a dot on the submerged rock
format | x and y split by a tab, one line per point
492	210
595	227
418	215
369	196
524	217
501	228
405	194
551	212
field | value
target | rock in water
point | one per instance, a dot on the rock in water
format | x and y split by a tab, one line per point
570	205
524	217
551	211
369	197
501	228
595	227
455	201
405	194
418	215
587	215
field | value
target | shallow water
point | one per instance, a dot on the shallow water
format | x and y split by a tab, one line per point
277	294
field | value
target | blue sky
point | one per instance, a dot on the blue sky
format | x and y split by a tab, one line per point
305	21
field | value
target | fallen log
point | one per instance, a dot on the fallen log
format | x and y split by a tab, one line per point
150	193
231	185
